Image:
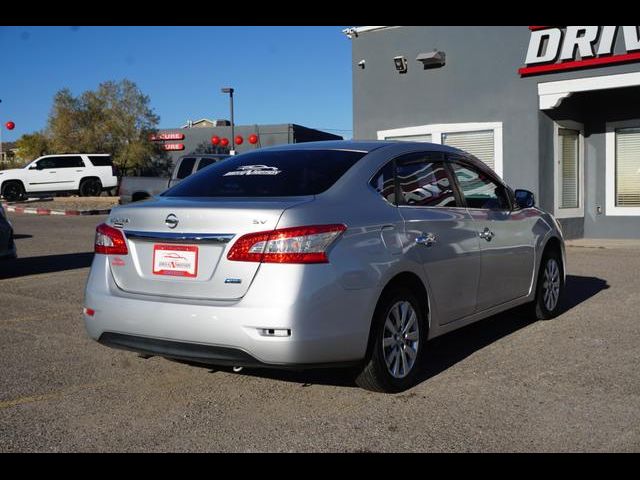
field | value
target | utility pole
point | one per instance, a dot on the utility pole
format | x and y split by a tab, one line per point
229	90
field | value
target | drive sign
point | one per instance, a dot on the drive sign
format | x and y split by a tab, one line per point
560	48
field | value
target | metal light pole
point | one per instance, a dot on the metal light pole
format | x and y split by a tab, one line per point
229	90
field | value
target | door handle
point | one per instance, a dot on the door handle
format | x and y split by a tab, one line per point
426	239
486	234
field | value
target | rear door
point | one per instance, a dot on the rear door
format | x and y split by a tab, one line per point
506	236
440	232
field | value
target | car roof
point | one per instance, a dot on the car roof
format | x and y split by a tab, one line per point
368	146
205	155
365	146
75	154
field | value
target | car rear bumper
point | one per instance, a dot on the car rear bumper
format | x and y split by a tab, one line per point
196	353
321	323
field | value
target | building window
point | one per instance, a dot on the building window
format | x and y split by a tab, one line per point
569	164
627	167
623	168
411	138
479	144
568	170
482	140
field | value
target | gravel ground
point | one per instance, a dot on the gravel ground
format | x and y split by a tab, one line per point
503	384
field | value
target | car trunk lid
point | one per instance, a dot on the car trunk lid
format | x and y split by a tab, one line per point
178	247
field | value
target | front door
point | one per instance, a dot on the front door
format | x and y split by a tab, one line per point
440	234
506	237
53	174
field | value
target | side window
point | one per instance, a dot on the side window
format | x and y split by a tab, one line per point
384	183
45	163
69	162
100	161
205	162
186	167
424	181
479	190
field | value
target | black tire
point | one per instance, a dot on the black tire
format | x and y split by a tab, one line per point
13	191
90	187
11	248
540	309
375	375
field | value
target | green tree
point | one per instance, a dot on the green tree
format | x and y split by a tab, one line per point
32	145
115	118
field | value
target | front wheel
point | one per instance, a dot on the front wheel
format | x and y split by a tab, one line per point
397	344
550	287
13	191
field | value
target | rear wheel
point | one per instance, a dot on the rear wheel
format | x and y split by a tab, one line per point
550	287
13	191
90	187
398	340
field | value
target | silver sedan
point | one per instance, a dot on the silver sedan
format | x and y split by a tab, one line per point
322	254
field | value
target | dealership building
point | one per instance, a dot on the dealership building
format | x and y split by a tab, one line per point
552	109
217	136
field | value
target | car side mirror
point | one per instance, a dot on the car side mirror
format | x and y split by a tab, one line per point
525	198
33	167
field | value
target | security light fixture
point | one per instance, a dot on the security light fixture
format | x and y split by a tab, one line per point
433	59
400	63
361	64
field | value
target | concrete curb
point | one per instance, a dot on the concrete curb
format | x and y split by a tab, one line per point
48	211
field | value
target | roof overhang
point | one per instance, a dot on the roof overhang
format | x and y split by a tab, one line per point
551	94
355	31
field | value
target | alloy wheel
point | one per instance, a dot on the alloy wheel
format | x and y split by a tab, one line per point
551	284
400	339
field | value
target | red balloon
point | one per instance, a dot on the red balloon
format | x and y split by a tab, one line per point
224	142
215	140
253	138
239	140
10	125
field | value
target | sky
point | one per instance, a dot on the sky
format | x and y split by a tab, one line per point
280	74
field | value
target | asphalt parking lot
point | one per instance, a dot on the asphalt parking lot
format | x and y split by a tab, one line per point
503	384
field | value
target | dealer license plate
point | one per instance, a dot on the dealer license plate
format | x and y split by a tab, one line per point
175	260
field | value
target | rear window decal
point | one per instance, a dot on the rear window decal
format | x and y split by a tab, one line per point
254	170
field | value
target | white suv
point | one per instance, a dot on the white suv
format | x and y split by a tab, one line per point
86	174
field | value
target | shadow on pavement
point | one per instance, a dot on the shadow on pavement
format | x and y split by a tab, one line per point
445	351
20	236
20	267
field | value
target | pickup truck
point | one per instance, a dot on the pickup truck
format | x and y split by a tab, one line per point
133	189
85	174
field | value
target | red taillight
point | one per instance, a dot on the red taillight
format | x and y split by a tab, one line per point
287	245
110	241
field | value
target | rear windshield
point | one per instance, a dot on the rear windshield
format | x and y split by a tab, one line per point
269	174
100	161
